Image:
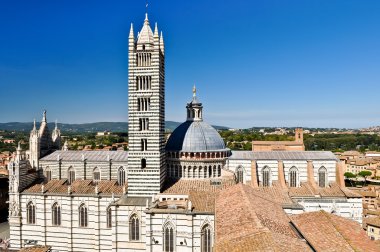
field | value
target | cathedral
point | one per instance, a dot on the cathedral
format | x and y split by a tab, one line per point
174	195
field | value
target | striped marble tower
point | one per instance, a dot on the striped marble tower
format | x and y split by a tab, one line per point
146	112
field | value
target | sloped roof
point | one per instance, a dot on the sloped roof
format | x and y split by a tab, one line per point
328	232
283	155
245	222
88	155
146	34
56	186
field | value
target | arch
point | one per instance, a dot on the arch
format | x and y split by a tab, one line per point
134	228
121	176
189	172
47	173
219	171
239	174
322	177
83	217
209	171
31	213
195	175
96	175
214	171
206	238
70	175
168	242
266	176
293	177
56	214
109	217
205	172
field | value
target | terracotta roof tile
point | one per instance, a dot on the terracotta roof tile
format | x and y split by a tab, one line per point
245	223
328	232
77	187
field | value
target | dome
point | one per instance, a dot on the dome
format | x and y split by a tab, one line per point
195	136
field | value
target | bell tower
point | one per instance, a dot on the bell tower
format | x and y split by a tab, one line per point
146	111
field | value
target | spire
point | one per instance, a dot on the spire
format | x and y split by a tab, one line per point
19	146
162	43
131	35
146	21
155	31
194	91
44	117
146	35
34	125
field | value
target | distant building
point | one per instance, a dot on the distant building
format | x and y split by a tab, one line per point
103	133
373	228
296	145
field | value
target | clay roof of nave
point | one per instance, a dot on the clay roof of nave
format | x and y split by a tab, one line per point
329	232
55	186
332	190
91	156
246	222
283	155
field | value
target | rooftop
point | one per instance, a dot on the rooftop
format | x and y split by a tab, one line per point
329	232
87	155
55	186
283	155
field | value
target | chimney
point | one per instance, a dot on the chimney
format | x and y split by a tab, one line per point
339	174
254	174
310	174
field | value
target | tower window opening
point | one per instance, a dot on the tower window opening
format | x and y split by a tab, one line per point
143	163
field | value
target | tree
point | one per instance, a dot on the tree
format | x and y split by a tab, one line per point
365	174
350	176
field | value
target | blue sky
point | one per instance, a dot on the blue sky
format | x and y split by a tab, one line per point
255	63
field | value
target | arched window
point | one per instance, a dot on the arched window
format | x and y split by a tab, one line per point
219	171
47	174
266	176
134	228
239	175
209	171
189	172
96	175
195	172
214	171
56	215
168	238
206	239
143	163
109	217
322	177
121	176
31	213
70	175
83	218
293	177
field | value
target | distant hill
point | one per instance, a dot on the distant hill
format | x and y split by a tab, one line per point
85	127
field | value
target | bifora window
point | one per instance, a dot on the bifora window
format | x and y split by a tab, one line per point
31	213
239	175
83	221
322	176
47	174
206	239
121	176
56	215
134	228
70	175
266	176
293	177
168	238
96	175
